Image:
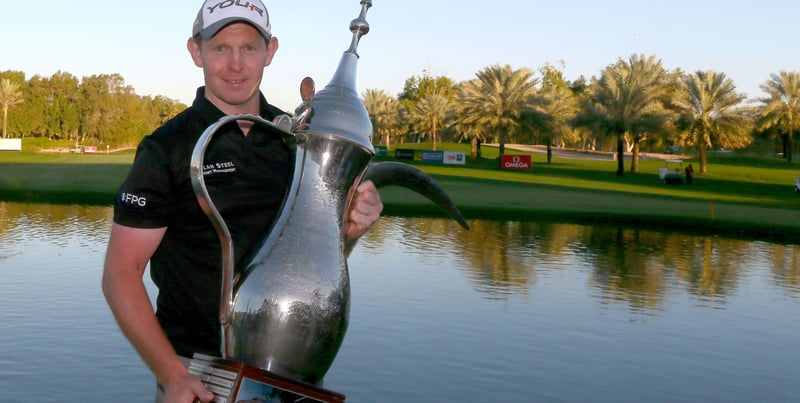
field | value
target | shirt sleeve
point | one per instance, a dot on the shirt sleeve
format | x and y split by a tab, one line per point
145	199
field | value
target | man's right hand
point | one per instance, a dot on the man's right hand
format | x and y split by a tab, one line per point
187	389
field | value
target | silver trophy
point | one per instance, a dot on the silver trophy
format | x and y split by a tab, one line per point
287	311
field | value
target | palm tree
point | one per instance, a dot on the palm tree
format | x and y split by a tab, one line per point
429	115
559	105
496	100
9	97
709	108
628	101
384	113
468	126
417	90
782	107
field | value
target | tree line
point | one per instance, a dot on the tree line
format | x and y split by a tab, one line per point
95	110
632	102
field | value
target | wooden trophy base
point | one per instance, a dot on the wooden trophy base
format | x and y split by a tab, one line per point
233	381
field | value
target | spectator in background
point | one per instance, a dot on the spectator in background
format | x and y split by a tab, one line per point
689	171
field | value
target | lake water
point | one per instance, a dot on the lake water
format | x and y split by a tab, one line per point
506	312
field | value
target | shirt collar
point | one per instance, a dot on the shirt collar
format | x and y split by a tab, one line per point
210	113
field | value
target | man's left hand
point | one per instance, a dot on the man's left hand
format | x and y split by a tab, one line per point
366	208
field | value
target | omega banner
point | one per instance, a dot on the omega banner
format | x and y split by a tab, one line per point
516	162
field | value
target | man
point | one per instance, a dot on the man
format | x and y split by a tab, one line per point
689	174
158	220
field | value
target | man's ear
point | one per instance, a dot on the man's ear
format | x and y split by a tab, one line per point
272	47
194	51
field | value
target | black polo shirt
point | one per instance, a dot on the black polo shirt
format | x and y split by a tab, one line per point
246	177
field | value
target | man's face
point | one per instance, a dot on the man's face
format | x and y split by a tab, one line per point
233	64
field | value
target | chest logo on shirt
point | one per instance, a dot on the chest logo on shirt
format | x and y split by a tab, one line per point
219	168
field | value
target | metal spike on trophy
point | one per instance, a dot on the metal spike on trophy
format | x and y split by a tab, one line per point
284	314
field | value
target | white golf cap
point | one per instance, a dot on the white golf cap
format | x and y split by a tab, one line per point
216	14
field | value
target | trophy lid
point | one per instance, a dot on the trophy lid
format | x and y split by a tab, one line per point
337	108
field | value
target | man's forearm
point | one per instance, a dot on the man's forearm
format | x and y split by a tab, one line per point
130	304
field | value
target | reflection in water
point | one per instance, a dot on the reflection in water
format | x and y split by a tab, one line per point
632	266
640	268
785	267
58	333
572	313
508	311
60	223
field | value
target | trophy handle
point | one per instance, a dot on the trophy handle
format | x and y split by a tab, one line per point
282	123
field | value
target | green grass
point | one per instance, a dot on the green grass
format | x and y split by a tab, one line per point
62	177
747	180
739	196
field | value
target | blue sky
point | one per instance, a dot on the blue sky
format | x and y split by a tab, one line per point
145	41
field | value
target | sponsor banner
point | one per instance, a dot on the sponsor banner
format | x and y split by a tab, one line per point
381	151
516	162
11	144
433	156
90	149
404	154
455	158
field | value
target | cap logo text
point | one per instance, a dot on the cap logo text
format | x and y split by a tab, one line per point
238	3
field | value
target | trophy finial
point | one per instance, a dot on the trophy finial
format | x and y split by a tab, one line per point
359	26
337	108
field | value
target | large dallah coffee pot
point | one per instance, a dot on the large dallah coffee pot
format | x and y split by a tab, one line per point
287	311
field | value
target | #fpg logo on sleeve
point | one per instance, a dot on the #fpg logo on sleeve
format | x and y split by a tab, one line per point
131	199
